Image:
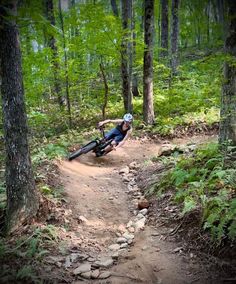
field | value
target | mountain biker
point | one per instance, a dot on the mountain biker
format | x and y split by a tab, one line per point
120	133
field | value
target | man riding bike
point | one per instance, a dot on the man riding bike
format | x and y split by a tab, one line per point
120	133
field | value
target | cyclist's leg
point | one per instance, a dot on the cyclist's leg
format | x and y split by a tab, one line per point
118	138
111	134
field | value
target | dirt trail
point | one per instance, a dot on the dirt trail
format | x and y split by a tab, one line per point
96	191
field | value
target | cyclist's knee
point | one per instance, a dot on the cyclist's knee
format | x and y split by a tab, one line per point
114	143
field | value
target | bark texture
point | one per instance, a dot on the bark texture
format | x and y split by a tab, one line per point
174	36
126	55
135	90
164	28
114	8
22	201
51	42
228	102
148	108
65	64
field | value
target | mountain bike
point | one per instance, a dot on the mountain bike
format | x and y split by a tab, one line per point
96	145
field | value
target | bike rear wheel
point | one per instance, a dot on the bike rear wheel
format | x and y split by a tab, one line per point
85	149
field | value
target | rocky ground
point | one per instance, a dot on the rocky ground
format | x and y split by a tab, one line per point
105	229
119	237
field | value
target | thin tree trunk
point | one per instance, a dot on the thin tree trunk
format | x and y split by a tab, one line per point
164	28
198	34
114	8
106	91
126	55
22	200
130	54
221	17
228	103
52	44
148	108
174	36
135	90
208	9
66	66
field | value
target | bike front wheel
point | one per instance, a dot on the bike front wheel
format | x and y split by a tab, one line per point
85	149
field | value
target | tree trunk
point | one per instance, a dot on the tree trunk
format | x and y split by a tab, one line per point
51	42
148	108
66	65
221	17
114	8
174	36
208	10
126	55
22	200
228	102
135	90
164	28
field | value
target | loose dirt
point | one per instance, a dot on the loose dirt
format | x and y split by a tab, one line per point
96	192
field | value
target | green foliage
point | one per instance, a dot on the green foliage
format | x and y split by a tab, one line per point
34	245
93	35
30	249
202	181
27	273
189	204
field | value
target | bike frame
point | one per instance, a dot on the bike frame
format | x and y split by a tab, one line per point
95	145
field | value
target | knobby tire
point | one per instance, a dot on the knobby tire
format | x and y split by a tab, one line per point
85	149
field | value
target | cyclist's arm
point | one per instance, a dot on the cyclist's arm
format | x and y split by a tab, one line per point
101	123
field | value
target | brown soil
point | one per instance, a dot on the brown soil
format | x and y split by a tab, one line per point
96	191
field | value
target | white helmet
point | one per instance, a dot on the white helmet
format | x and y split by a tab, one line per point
128	117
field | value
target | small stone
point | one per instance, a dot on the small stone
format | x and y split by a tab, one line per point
121	240
143	203
91	259
139	225
74	257
67	262
115	255
86	267
139	216
104	275
125	179
95	273
130	241
133	165
82	219
124	170
131	229
86	275
105	262
143	211
155	234
128	236
177	249
124	245
114	247
130	224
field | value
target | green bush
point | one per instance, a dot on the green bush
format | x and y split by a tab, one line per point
202	181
